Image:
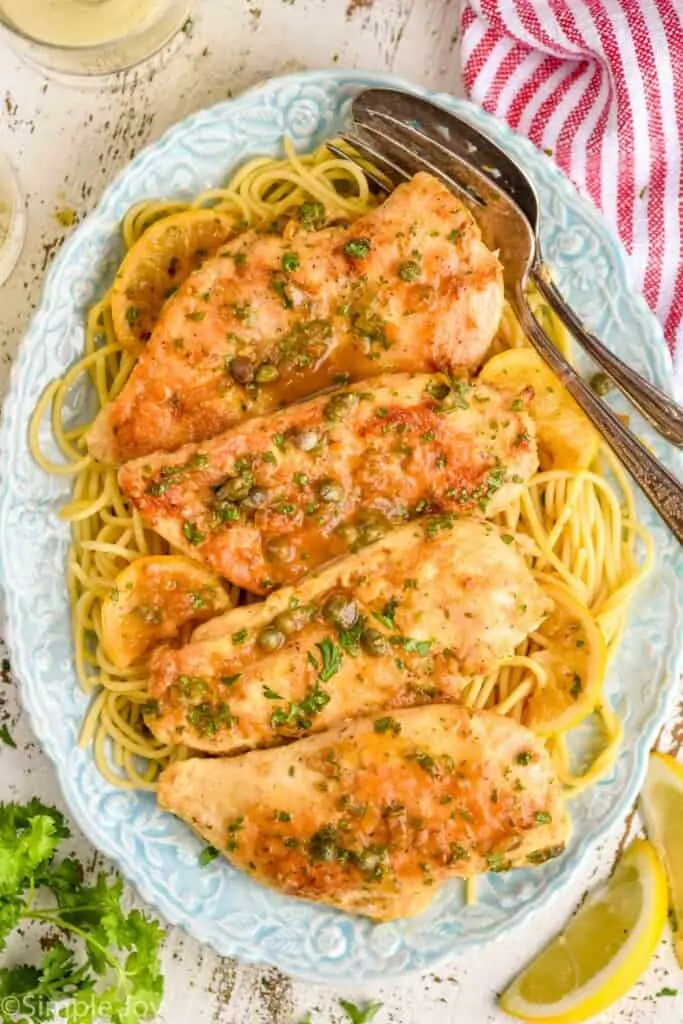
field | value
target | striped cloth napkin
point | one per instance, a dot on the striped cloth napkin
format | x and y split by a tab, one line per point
599	83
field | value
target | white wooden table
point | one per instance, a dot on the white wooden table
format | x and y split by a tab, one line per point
67	142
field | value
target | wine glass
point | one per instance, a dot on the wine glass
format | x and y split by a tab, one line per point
91	37
12	219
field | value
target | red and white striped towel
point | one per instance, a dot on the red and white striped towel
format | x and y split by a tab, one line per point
600	84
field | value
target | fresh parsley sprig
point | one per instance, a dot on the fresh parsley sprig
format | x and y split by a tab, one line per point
112	973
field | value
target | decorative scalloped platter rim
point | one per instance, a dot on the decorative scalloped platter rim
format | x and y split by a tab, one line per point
158	854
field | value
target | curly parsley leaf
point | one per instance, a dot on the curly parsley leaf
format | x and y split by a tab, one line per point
331	659
360	1014
113	975
6	737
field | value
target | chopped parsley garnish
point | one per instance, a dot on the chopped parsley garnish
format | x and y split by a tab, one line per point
358	248
312	215
524	757
271	694
387	724
290	262
282	816
435	524
240	636
132	315
230	680
208	854
208	718
196	315
424	761
300	715
517	405
412	646
543	817
350	638
496	862
455	235
506	538
388	613
331	659
192	533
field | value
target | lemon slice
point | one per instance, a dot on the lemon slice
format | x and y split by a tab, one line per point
575	659
661	802
159	261
603	950
566	438
152	599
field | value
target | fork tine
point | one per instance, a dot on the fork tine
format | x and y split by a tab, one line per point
395	173
370	173
407	142
457	134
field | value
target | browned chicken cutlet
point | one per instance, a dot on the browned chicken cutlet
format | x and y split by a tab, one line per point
274	498
374	816
409	620
274	317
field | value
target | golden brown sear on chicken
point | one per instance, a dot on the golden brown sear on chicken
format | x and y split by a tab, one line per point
272	499
409	620
372	817
283	312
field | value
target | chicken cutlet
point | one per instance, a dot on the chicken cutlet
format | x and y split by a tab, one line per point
272	499
408	620
277	316
372	817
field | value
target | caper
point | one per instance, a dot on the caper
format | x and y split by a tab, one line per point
294	619
372	527
266	373
241	369
330	490
373	643
306	440
338	406
270	638
346	533
256	497
341	610
238	488
279	549
438	389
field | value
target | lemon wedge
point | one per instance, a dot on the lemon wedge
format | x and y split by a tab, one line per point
152	598
566	438
661	802
157	264
603	950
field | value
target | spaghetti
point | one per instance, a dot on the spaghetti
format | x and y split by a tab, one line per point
578	528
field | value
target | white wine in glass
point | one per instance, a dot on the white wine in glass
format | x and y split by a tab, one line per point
91	36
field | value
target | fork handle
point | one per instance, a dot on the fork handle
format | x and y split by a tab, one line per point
662	489
657	407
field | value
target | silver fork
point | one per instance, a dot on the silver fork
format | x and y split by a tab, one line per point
505	228
430	131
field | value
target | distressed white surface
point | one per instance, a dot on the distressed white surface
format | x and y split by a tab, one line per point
67	142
